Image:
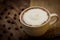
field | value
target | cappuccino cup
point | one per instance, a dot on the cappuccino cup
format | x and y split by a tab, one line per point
37	20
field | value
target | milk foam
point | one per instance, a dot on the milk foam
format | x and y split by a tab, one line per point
35	16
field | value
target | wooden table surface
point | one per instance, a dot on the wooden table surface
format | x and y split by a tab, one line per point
54	7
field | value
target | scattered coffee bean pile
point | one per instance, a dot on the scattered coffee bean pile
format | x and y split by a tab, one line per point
10	26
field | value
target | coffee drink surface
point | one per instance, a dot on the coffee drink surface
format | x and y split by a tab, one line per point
35	16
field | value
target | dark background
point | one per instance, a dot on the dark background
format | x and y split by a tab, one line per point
10	26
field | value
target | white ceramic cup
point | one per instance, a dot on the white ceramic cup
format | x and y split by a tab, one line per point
38	30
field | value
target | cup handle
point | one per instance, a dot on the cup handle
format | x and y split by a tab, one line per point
54	18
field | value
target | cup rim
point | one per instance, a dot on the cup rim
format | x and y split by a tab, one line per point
20	17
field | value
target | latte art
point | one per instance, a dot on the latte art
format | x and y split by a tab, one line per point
35	17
